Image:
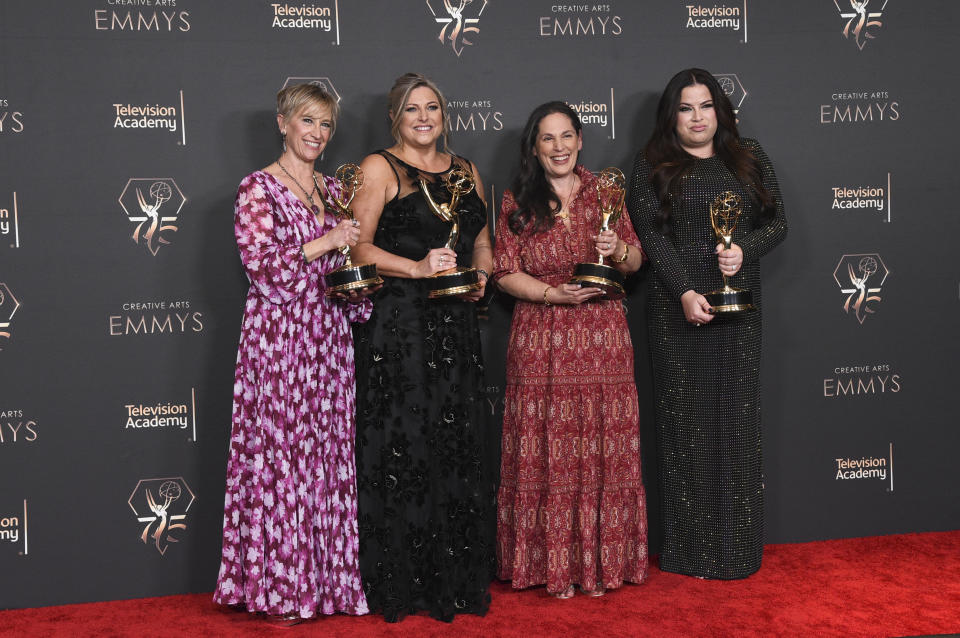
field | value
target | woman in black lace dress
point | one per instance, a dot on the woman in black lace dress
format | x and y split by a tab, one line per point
426	488
706	366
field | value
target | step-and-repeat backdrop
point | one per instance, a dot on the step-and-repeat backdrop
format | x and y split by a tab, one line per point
117	343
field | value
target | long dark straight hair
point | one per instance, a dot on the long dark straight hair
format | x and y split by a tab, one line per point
670	162
536	201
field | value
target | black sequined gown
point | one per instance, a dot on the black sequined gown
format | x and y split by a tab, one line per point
425	481
706	377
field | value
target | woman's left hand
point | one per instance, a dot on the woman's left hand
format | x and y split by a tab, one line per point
357	295
476	295
729	259
607	243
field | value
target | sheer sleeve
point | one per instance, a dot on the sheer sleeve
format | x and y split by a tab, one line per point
272	257
762	240
643	206
506	249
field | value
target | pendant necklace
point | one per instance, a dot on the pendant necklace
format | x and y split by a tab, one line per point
310	194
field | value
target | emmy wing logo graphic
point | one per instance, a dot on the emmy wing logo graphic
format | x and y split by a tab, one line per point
8	308
860	21
860	277
323	83
456	26
733	89
153	204
161	504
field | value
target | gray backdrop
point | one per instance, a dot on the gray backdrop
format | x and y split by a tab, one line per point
117	349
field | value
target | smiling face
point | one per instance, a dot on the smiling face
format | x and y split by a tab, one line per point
557	145
696	120
307	131
421	119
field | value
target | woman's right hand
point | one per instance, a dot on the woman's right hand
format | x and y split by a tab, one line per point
571	294
437	260
346	233
696	308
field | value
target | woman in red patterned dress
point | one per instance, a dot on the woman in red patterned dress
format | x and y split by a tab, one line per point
571	506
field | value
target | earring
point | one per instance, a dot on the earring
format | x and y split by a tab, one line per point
283	140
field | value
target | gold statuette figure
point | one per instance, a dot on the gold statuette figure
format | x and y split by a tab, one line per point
610	192
456	280
349	276
724	213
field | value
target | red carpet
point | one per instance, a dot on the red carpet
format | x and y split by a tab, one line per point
905	585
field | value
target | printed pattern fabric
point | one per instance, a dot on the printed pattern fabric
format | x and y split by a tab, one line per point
571	504
290	540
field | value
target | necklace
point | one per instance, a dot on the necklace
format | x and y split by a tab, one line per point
565	214
310	194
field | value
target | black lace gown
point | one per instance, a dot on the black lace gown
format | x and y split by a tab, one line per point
426	486
707	378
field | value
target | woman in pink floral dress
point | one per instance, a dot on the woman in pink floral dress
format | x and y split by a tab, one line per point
290	518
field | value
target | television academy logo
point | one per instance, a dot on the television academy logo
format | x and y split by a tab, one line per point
860	21
14	428
160	20
864	197
153	204
860	277
596	113
306	17
580	20
10	121
457	26
163	415
164	117
14	529
865	467
716	17
323	82
161	503
733	89
8	307
10	221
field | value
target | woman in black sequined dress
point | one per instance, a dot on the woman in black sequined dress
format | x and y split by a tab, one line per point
425	481
706	366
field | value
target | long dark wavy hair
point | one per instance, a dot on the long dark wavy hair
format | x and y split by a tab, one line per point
536	201
670	162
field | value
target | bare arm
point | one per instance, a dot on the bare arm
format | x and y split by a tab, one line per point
380	186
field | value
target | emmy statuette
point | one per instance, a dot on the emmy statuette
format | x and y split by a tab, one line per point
610	192
349	276
724	213
456	280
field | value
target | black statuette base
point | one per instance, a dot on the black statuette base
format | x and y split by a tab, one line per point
455	281
729	300
347	278
608	279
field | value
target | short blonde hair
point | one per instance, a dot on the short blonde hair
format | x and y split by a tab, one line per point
297	97
400	95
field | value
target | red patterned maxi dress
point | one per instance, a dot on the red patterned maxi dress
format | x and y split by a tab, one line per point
571	505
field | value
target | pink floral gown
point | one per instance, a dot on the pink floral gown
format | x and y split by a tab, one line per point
290	517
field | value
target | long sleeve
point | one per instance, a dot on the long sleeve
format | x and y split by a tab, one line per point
759	242
643	206
272	256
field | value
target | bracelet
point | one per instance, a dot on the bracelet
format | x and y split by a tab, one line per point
546	301
626	253
486	275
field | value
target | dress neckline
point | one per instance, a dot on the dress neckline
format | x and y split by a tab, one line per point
322	208
422	170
